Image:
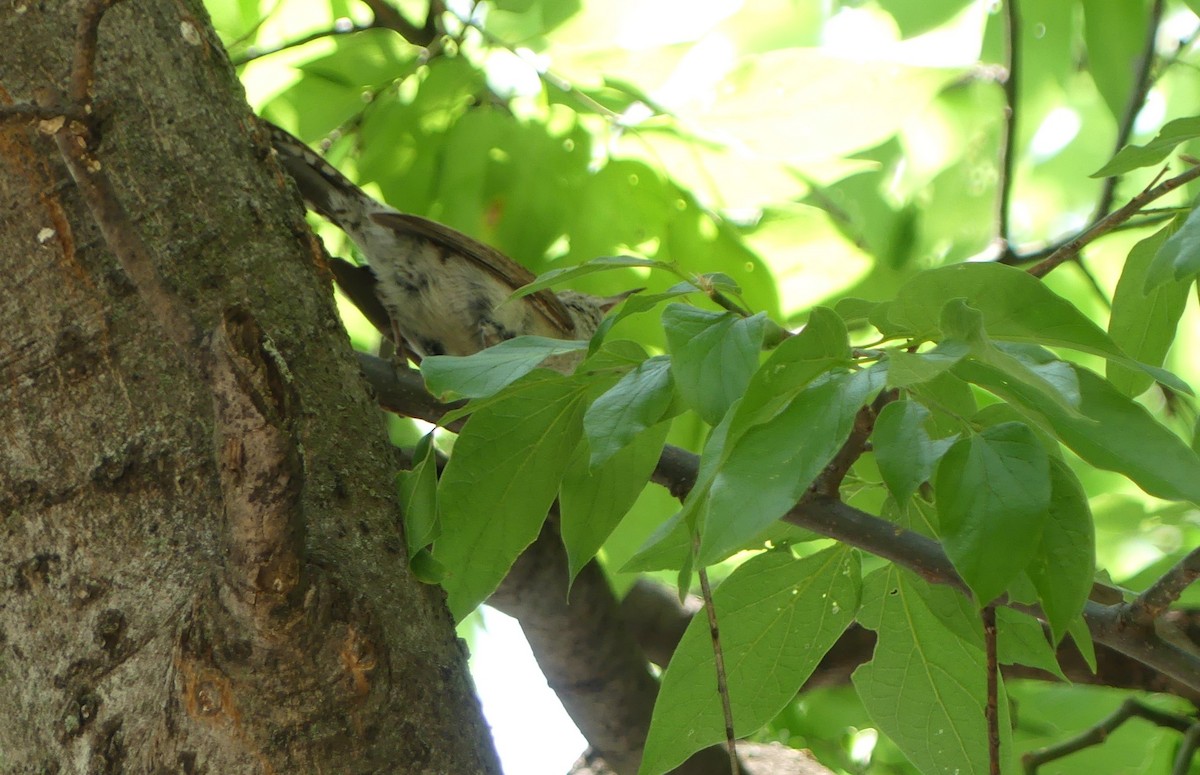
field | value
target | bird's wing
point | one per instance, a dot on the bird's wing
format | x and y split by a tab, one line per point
486	257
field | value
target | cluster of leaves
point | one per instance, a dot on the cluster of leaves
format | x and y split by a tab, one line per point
1008	510
994	400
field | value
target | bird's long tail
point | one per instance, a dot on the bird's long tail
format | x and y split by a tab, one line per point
324	189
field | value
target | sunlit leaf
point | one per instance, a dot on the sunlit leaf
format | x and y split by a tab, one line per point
1133	157
1016	307
993	494
822	346
490	370
499	484
1065	561
905	453
712	356
418	497
771	465
640	399
905	368
1144	323
594	498
1179	257
925	687
805	104
601	264
777	616
1152	456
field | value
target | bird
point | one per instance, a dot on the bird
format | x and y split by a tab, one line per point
445	293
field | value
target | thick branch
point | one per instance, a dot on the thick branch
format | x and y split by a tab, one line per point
590	660
1159	596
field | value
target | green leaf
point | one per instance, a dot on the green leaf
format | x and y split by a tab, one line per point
1113	52
1148	453
418	497
593	499
951	399
854	310
601	264
925	687
1133	157
1065	561
905	454
915	17
668	548
490	370
1143	323
1034	366
426	568
821	346
1016	307
712	356
499	484
771	465
993	493
1081	636
1179	257
959	320
905	368
778	616
1020	640
639	400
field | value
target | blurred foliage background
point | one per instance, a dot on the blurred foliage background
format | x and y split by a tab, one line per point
814	150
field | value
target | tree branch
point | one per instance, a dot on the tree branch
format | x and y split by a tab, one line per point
383	17
1131	708
1071	248
1159	596
254	52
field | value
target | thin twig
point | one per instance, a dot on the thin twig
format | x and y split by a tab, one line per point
1097	734
29	112
387	16
1012	52
1099	290
718	657
1109	222
1158	597
992	709
1187	750
254	53
724	302
829	481
383	17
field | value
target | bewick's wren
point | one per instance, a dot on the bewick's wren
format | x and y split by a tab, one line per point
443	290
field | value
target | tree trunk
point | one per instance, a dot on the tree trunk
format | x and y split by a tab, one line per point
182	594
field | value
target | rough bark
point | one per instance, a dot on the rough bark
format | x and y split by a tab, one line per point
179	597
